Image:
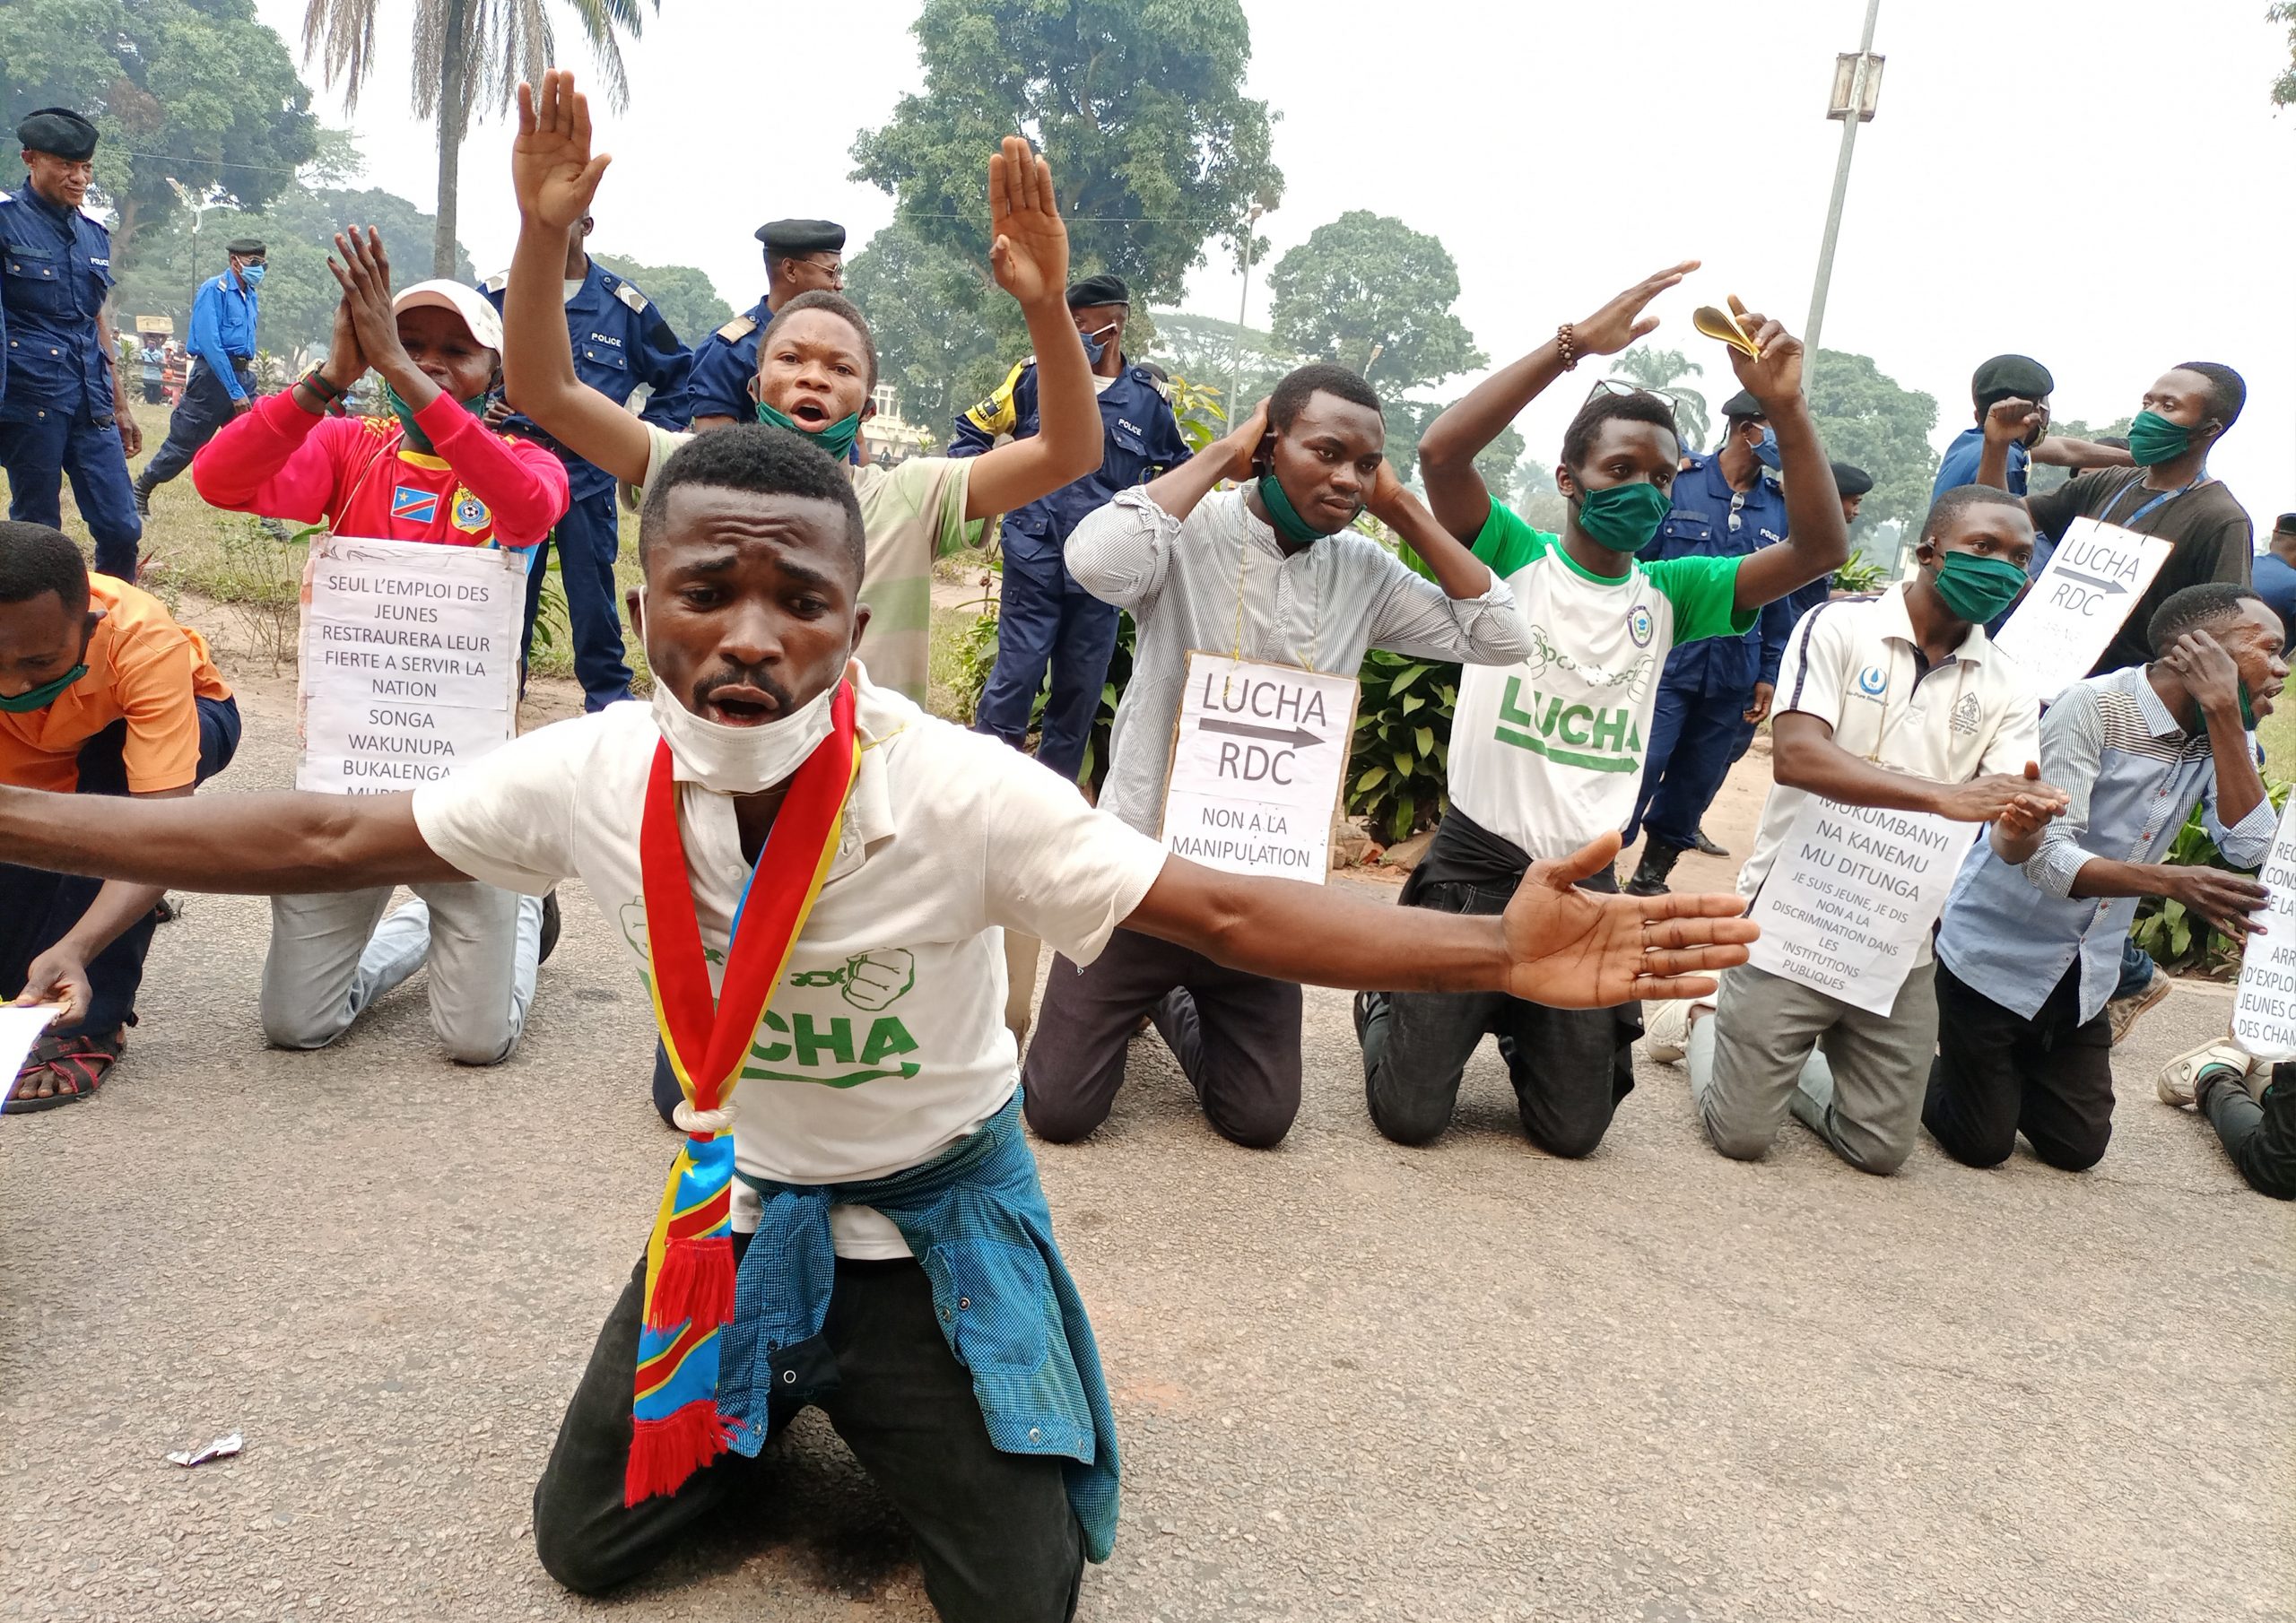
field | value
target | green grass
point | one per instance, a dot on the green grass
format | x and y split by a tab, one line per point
2277	733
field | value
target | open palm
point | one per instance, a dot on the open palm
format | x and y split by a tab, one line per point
1573	949
551	167
1028	242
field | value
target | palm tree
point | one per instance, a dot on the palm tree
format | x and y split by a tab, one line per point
1662	372
469	55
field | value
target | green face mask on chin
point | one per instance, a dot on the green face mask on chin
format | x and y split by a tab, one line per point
48	692
1975	588
837	438
1623	517
1285	517
417	439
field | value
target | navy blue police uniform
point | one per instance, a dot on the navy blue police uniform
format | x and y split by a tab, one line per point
622	345
725	361
1047	621
57	415
221	345
1706	686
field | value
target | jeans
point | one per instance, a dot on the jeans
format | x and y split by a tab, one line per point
37	455
2135	969
330	959
199	416
1047	621
1998	1074
994	1534
38	908
2259	1134
1693	735
588	539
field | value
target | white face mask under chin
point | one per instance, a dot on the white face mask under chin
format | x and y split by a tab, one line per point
741	760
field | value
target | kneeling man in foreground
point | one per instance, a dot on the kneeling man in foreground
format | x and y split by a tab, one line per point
813	873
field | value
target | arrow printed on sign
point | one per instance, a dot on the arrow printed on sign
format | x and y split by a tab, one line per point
1298	738
2097	581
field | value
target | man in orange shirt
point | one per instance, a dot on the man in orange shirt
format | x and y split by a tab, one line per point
101	693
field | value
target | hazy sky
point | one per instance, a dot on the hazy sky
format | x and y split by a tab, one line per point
2099	183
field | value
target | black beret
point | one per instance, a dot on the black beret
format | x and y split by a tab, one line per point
802	237
246	247
2007	375
1850	480
58	130
1102	289
2285	524
1742	404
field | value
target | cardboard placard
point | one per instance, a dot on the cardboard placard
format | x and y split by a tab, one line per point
1258	760
2068	615
2264	1014
1852	895
410	662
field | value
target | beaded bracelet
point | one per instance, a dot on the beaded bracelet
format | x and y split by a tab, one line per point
1568	345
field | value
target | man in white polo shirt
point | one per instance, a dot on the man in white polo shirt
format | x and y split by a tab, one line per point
813	875
1899	701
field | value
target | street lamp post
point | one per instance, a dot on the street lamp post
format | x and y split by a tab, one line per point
1243	304
1857	91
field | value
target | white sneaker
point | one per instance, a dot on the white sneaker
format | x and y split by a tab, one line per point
1666	1029
2178	1082
2122	1012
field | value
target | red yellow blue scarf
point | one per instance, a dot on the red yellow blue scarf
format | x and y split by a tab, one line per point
689	1256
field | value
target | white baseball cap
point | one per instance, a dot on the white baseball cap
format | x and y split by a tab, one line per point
481	318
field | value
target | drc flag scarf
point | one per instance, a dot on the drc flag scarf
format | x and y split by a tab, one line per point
689	1256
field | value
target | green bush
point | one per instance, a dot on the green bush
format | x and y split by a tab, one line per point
1398	770
2173	936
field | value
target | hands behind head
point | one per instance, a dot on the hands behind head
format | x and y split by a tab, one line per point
1776	373
1027	240
551	167
1386	499
1573	949
2208	671
1621	322
1241	446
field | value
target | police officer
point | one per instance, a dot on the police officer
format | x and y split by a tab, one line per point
60	404
1726	503
625	350
800	256
1045	618
222	342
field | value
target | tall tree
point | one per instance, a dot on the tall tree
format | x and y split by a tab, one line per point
198	91
1865	417
946	337
1140	109
2284	90
1208	351
469	55
1368	291
2041	478
1664	372
686	297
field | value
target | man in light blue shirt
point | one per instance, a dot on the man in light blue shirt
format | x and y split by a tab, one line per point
2038	922
221	343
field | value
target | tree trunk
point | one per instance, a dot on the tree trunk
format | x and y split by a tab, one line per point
452	115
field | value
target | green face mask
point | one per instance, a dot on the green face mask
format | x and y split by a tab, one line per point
2247	710
417	439
1285	516
45	694
1623	517
2153	438
837	438
1975	588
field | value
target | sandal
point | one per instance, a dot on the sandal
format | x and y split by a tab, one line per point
80	1063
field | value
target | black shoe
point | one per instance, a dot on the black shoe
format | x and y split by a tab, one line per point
143	500
1658	859
549	927
1701	844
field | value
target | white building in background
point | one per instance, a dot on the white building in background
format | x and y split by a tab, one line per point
886	437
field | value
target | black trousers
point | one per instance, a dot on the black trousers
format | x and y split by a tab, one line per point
994	1534
1998	1074
2260	1138
199	416
38	908
1235	1035
1570	1067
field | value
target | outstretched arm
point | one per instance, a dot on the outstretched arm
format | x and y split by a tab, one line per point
250	844
1557	945
1028	253
555	178
1817	536
1447	452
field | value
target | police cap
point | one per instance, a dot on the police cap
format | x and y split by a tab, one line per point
58	130
1102	289
1742	404
2004	375
246	247
1851	480
788	237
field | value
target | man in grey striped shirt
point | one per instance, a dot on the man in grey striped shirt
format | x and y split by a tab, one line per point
2038	920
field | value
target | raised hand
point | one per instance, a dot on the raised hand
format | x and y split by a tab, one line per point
1776	372
346	362
1621	322
2014	421
1573	949
1027	240
551	167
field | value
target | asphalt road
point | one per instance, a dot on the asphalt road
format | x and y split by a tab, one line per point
1353	1380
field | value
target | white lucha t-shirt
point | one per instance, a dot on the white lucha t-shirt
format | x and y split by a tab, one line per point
885	1042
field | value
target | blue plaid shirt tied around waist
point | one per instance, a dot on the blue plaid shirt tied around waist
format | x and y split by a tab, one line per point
975	1216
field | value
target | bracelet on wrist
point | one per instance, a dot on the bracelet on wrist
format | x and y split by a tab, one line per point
321	387
1565	342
